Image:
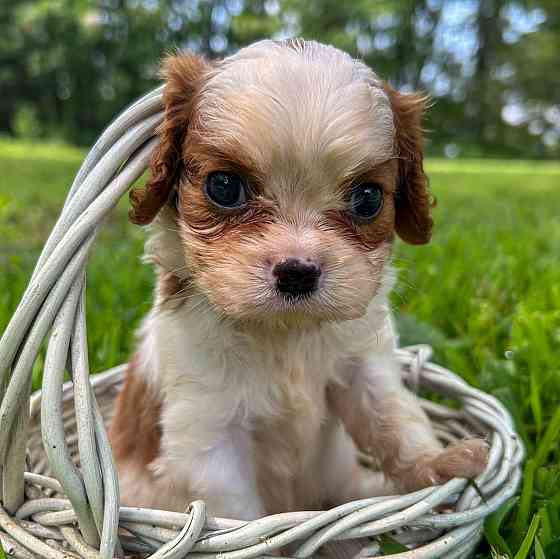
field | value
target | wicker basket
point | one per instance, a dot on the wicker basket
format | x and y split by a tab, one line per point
59	491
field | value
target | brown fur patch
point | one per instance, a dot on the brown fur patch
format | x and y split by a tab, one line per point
413	203
467	459
205	222
135	431
211	224
203	156
184	74
381	229
172	289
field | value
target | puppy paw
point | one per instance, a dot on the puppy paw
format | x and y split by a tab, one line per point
466	459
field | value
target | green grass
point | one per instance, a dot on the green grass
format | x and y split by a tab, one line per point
485	293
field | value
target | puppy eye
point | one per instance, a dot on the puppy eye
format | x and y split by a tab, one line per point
226	190
366	201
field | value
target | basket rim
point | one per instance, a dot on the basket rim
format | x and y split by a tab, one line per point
350	520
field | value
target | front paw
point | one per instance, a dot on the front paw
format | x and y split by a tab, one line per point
466	459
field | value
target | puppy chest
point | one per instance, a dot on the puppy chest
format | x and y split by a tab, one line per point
287	446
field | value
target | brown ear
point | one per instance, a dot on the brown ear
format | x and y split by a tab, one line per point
183	74
413	203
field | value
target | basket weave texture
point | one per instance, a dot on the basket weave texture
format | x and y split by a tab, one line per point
58	487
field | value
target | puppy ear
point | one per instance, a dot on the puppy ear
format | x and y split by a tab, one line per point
183	74
413	202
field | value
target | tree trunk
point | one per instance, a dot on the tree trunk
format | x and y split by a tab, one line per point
488	28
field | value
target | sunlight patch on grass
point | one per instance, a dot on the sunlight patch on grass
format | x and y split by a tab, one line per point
21	150
491	166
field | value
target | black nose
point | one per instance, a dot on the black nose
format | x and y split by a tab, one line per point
296	277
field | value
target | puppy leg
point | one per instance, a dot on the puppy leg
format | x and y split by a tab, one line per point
343	478
386	421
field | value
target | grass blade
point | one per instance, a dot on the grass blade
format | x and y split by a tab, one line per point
389	545
552	550
546	527
525	548
535	399
524	509
549	440
554	517
493	524
539	552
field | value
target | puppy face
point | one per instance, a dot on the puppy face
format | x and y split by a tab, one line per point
291	166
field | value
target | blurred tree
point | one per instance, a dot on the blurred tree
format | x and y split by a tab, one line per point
532	82
484	91
74	64
68	66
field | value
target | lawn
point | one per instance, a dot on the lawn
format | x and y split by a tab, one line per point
485	293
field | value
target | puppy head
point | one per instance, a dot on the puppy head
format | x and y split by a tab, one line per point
290	166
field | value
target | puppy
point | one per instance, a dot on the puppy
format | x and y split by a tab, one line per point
282	176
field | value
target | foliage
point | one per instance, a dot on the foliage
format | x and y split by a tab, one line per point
67	66
485	293
25	122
